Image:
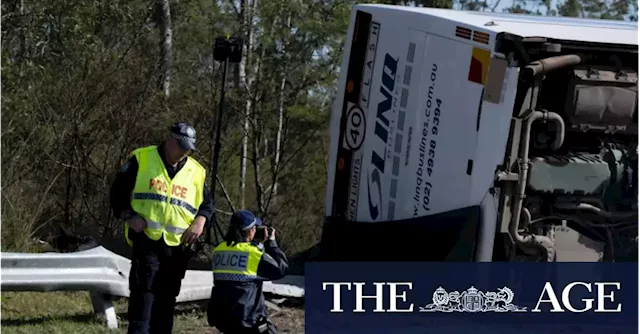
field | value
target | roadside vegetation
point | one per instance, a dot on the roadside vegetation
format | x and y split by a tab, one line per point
86	82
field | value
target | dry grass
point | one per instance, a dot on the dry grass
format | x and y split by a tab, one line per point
71	312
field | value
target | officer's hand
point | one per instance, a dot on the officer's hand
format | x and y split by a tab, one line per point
194	231
137	223
272	234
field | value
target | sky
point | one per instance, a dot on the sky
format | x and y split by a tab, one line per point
508	3
531	5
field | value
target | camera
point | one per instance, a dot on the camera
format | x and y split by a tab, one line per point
262	232
228	48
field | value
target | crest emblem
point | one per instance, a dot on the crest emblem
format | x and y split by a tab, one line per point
473	300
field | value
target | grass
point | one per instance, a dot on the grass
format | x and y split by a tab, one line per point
71	312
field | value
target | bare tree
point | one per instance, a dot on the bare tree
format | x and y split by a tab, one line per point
281	107
163	11
248	8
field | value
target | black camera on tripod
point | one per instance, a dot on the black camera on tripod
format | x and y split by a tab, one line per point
228	48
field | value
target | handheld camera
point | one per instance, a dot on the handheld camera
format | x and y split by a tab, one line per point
262	232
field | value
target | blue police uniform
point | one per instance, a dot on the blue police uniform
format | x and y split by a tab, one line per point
237	302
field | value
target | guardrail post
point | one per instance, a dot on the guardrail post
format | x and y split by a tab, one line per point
103	305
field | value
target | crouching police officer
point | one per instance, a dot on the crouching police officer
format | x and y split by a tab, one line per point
160	193
240	266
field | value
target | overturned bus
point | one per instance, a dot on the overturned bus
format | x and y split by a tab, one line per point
471	136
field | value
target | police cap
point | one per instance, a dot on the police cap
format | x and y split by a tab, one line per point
185	134
244	219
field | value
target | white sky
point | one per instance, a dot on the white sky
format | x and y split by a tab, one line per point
530	5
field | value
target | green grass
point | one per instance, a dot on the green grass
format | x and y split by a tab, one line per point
71	312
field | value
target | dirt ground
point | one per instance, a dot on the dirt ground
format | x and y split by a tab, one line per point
288	320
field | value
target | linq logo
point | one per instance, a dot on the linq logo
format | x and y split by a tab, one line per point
474	300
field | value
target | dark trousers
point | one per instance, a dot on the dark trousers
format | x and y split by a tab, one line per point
156	275
226	324
270	329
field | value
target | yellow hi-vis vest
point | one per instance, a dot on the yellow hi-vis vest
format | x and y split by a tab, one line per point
169	206
237	263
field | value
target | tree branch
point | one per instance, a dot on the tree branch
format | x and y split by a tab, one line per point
226	194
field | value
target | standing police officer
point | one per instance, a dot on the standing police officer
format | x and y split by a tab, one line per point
160	193
239	268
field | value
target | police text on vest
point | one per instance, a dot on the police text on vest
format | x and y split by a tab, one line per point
230	260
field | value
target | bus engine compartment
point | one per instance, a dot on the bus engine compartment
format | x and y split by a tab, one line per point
568	186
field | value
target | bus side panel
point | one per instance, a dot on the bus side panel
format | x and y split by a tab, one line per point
340	163
444	142
435	176
388	82
407	121
494	126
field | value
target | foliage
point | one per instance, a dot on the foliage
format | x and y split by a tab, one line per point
81	84
594	9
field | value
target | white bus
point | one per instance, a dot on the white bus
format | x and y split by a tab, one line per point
477	136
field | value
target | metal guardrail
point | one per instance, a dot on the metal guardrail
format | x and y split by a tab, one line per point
105	274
